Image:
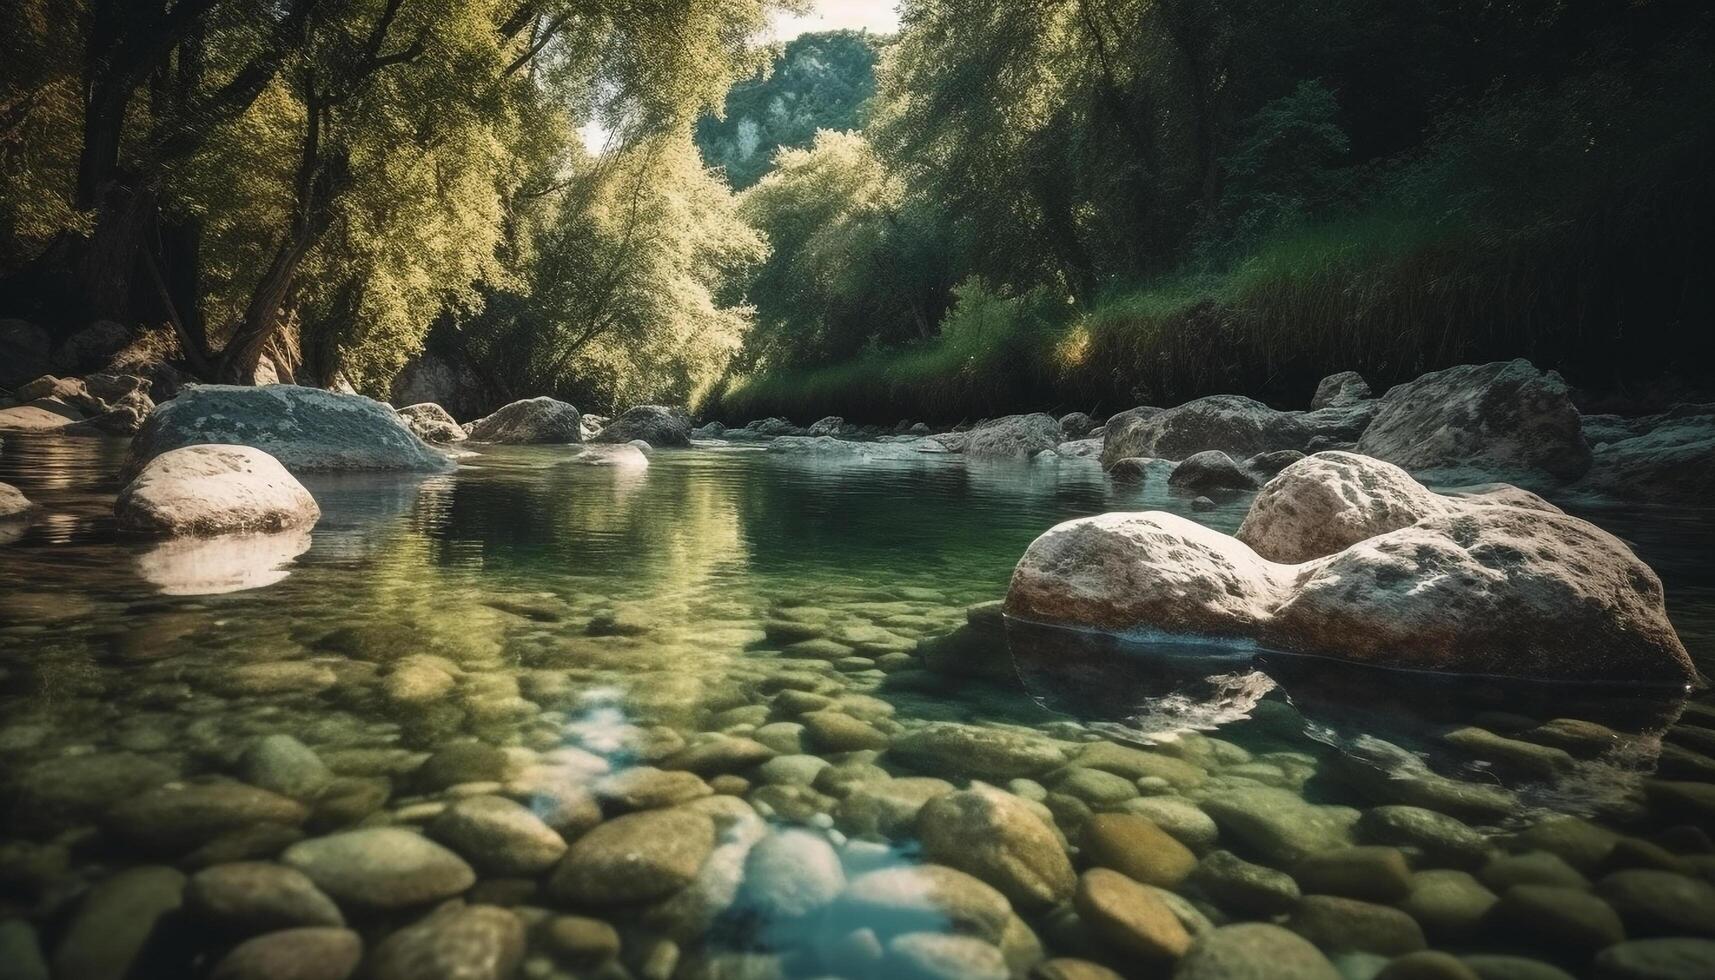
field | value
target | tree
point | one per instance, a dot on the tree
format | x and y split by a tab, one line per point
854	258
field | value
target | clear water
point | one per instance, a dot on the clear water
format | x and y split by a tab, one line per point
170	652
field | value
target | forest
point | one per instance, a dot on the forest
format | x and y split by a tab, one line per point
1006	206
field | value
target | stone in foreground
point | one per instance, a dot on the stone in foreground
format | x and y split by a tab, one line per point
1497	589
208	490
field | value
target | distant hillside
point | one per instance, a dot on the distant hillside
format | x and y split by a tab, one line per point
820	81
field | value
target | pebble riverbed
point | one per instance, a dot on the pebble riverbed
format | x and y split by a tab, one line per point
549	721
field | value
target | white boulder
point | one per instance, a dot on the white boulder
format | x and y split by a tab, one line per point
201	491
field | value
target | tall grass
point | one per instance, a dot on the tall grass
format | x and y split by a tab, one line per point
1385	294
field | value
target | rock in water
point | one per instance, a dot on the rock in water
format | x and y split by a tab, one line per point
529	421
1669	459
308	430
316	953
108	938
13	503
1210	470
1012	437
1340	390
635	858
621	456
380	868
207	490
478	942
1503	418
432	423
1235	425
1323	503
657	425
994	836
1254	951
1494	589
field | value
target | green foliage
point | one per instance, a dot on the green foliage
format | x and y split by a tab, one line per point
624	302
820	81
854	261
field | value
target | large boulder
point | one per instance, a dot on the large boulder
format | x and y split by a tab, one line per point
1324	502
1235	425
1668	458
308	430
1490	588
432	378
1012	437
208	490
1504	419
432	423
529	421
657	425
1340	390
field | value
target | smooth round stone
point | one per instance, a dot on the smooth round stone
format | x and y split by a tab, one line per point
1451	906
1254	951
462	762
635	858
255	896
283	677
311	953
649	788
841	778
1069	968
108	936
792	770
284	765
1232	882
1495	967
498	836
1096	787
941	956
477	942
1346	924
1661	903
1531	868
1136	848
998	838
836	731
579	941
1444	840
1657	959
80	786
175	817
784	737
1427	965
1128	916
719	755
255	842
927	897
887	807
792	873
1135	764
1277	824
381	868
1578	842
1183	819
1372	873
976	751
1561	919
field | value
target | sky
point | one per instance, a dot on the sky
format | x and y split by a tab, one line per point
876	16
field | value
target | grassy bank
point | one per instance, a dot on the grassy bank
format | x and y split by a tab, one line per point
1387	295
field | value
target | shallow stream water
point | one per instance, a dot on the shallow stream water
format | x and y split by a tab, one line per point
537	630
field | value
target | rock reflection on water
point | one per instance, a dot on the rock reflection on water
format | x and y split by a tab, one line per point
214	566
1492	749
